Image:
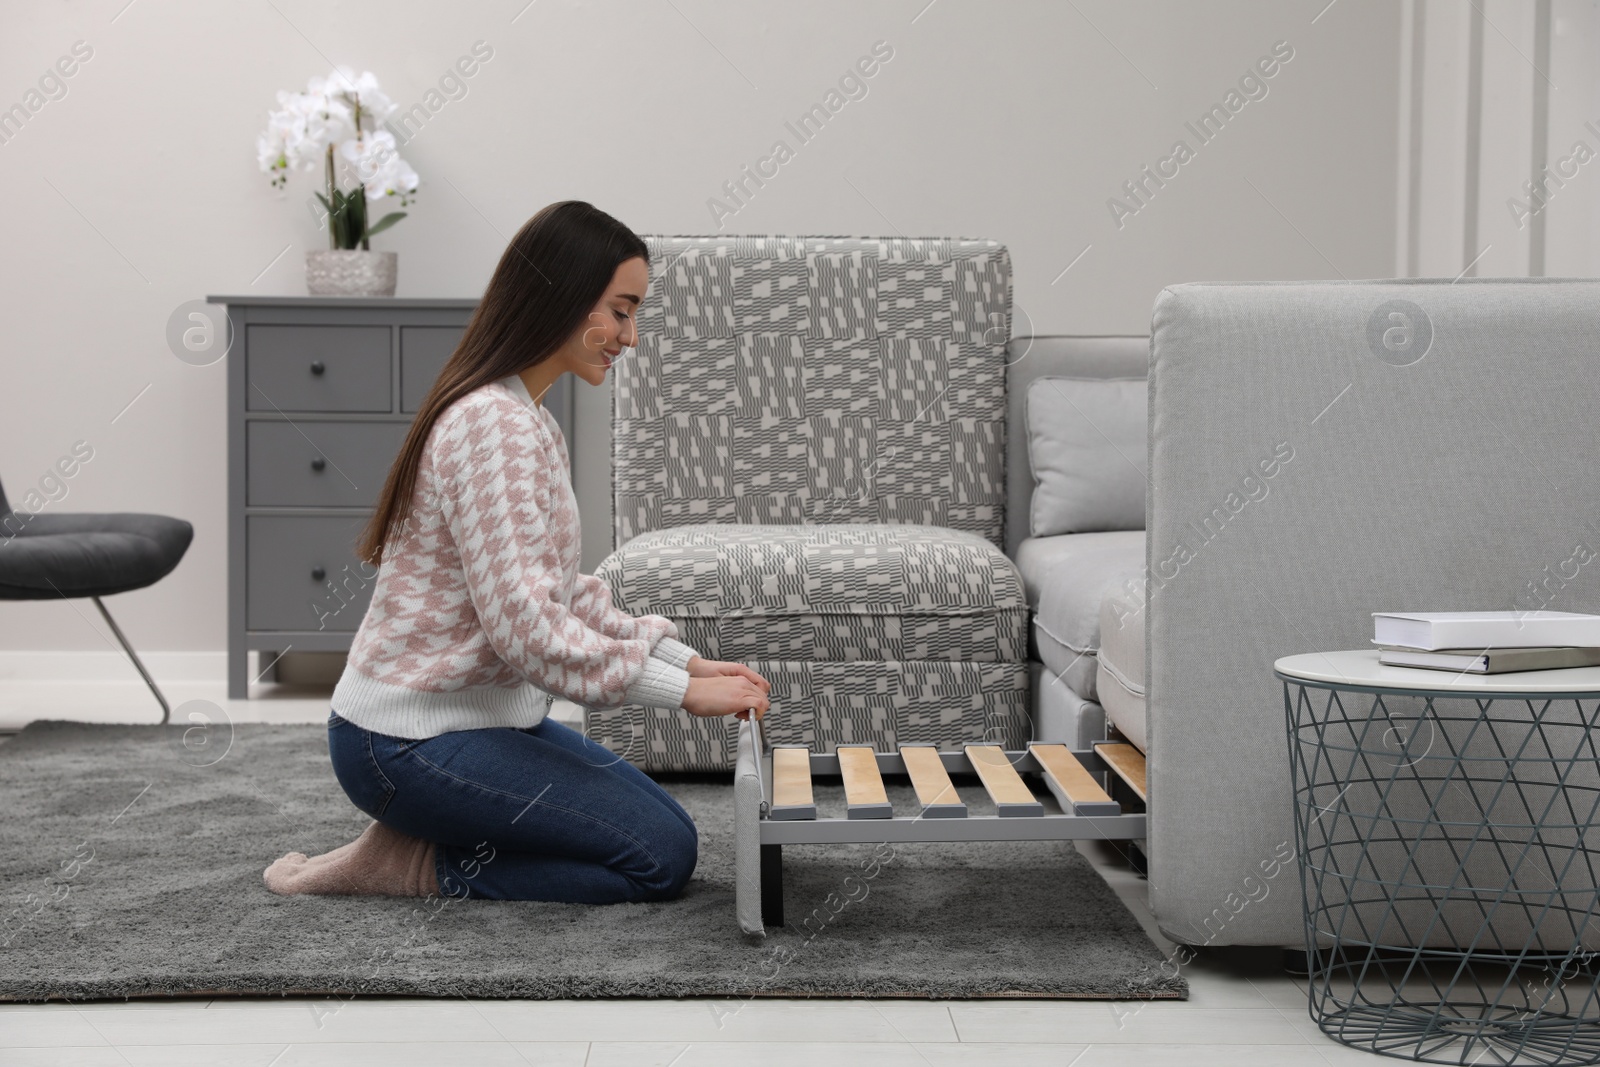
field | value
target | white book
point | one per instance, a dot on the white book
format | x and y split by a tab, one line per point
1430	630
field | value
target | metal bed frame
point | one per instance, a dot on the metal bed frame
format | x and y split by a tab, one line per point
1087	795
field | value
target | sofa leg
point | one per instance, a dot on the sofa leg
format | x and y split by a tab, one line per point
1296	962
772	885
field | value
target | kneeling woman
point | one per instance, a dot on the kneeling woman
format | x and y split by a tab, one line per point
439	727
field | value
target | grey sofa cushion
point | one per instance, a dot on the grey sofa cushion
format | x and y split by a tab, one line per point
1086	445
1073	668
793	380
1031	356
1119	673
875	633
827	591
1065	578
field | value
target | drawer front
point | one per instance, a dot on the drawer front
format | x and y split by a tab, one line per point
319	464
317	368
423	353
302	573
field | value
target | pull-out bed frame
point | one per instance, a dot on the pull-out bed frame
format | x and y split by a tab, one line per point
774	804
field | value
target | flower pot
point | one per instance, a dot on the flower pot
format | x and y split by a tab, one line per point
350	272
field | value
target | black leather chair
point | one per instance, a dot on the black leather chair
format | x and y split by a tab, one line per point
47	556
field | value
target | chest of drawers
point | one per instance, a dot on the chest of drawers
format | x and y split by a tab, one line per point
321	393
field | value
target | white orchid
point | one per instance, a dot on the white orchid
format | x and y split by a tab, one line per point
333	85
378	165
339	117
329	120
376	107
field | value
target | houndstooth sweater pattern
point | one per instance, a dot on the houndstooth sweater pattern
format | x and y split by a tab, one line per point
479	615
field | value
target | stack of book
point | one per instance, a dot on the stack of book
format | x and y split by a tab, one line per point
1486	642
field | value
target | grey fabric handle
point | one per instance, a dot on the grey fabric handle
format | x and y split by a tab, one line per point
748	796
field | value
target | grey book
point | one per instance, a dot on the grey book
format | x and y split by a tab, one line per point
1490	660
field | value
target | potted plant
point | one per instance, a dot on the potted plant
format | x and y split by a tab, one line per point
334	124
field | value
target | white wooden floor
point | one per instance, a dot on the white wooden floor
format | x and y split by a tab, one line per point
1242	1011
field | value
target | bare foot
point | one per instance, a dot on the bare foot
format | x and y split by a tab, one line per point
381	862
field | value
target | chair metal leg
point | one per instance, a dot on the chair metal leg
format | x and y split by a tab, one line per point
166	711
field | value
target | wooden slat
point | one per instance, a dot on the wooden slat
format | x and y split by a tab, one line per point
791	785
863	786
1010	793
1127	762
1074	781
935	792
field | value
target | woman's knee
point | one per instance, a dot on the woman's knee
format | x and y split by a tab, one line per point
675	849
356	768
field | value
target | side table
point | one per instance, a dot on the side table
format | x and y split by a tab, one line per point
1448	838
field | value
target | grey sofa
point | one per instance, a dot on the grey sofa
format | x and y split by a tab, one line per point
820	454
1434	453
1311	459
809	453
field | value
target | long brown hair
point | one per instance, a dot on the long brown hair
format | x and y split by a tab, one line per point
550	277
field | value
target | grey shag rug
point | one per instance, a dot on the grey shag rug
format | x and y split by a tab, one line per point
133	868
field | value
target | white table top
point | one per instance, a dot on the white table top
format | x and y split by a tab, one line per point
1360	667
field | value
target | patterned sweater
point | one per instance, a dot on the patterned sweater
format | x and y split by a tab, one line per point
479	614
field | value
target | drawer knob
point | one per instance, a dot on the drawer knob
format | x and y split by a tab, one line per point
318	574
318	463
317	367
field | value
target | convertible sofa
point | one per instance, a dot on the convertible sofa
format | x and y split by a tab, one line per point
822	470
1315	452
979	568
814	476
808	447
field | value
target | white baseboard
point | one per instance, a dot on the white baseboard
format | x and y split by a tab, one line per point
111	666
105	687
310	668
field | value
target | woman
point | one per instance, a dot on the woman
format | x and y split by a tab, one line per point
439	726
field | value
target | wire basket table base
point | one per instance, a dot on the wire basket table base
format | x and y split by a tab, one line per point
1449	869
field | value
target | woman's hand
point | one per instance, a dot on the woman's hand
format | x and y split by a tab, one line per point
712	668
700	667
718	688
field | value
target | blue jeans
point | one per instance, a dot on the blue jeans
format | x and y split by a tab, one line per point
536	814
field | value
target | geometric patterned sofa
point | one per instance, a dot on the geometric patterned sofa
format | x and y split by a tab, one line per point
809	450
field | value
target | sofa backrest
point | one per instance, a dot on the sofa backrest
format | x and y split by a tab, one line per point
801	380
1031	357
1320	451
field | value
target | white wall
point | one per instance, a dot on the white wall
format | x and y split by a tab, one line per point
1530	67
1017	121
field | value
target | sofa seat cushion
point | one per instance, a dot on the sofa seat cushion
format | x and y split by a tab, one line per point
1065	578
879	634
836	592
1120	670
